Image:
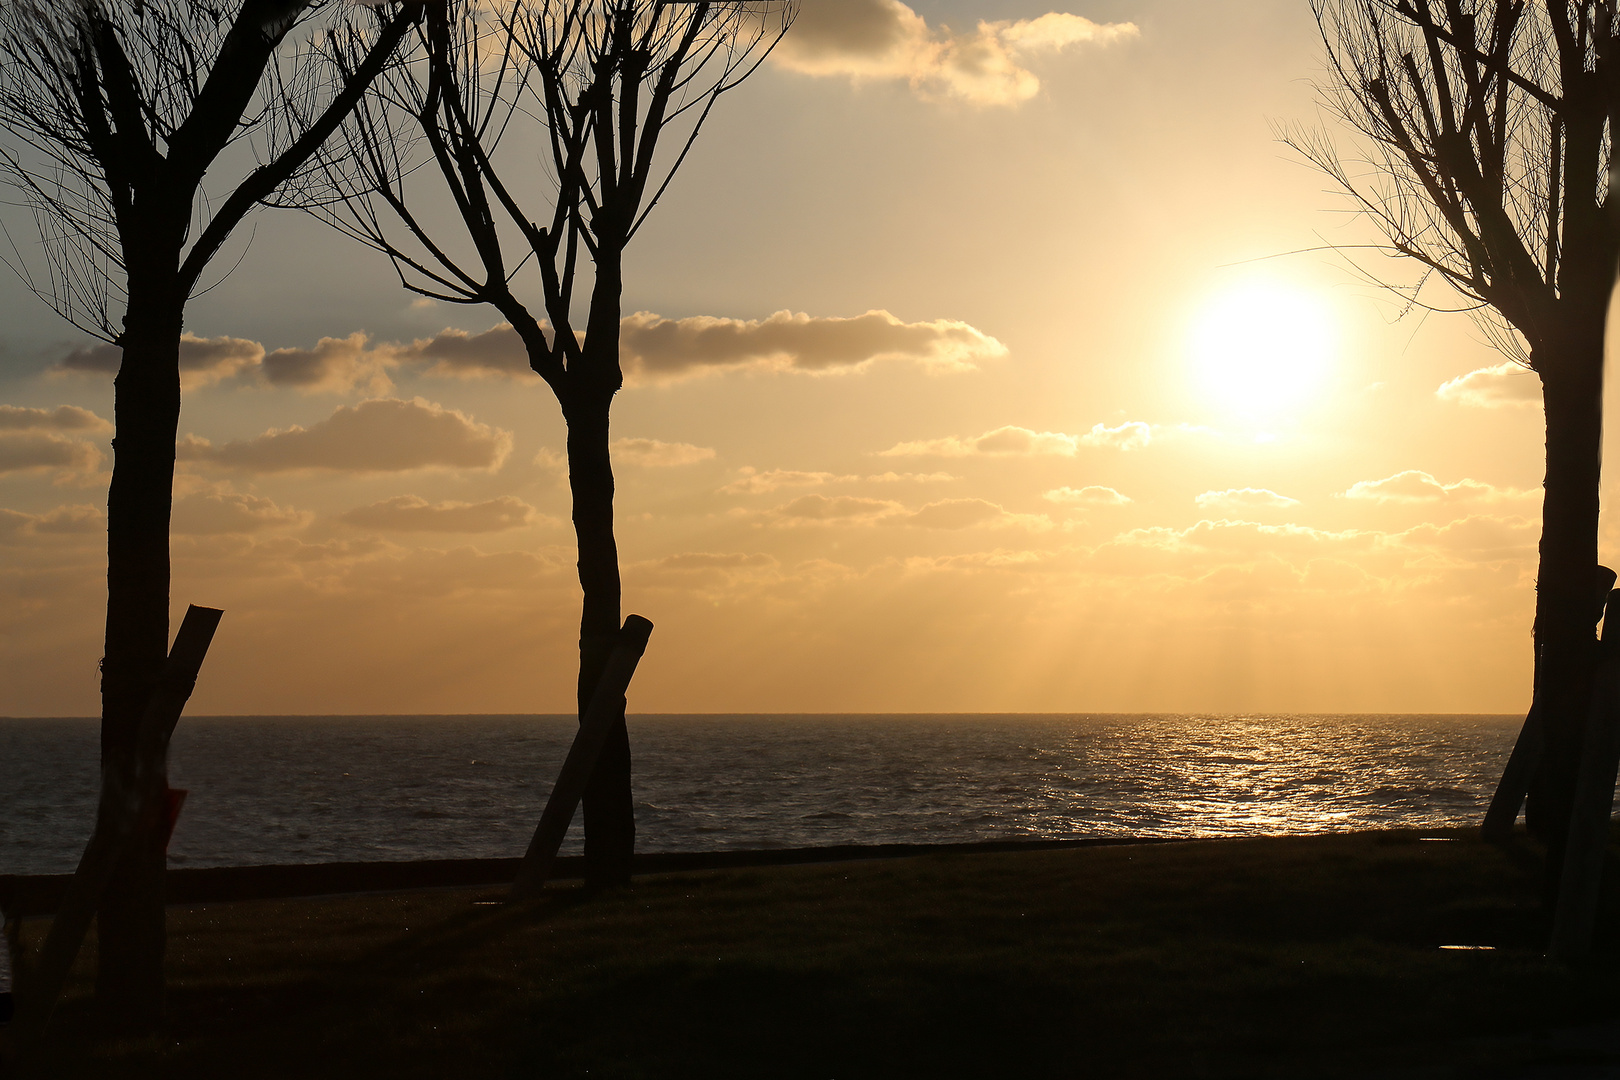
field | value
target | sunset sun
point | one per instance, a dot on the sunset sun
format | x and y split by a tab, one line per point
1262	350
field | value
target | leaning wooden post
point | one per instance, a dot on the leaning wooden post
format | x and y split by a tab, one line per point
1515	781
581	760
1581	877
123	808
1514	785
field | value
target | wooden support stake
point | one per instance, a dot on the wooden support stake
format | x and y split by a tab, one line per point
1515	782
1514	785
577	767
126	802
1581	877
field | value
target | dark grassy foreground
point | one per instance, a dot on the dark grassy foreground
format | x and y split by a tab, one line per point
1309	957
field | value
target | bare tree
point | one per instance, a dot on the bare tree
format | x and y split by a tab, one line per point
113	112
1490	127
612	94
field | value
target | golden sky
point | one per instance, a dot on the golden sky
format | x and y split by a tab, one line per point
959	379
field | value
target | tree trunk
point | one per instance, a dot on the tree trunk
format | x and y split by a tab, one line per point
609	813
130	920
1567	339
1568	601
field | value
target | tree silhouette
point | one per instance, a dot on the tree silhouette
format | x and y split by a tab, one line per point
1490	125
114	112
614	92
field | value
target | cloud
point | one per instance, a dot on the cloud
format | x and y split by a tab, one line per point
71	520
1419	556
753	482
213	513
964	513
1012	441
1131	435
1002	441
717	577
29	451
1241	536
705	560
1478	537
379	435
955	514
100	358
1506	384
651	453
497	352
660	350
61	418
203	361
892	477
653	350
848	509
1415	486
944	514
289	571
412	513
1243	499
886	40
18	527
1086	496
208	360
333	366
978	561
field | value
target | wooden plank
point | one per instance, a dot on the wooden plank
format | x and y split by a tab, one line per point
1514	785
1581	877
581	760
125	803
1515	781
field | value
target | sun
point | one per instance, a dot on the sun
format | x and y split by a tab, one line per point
1263	350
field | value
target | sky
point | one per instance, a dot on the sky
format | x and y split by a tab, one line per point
984	356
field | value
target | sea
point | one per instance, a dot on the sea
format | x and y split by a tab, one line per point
307	789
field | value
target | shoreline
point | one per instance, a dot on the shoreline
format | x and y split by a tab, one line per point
34	895
1257	714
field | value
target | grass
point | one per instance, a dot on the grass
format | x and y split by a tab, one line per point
1311	956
